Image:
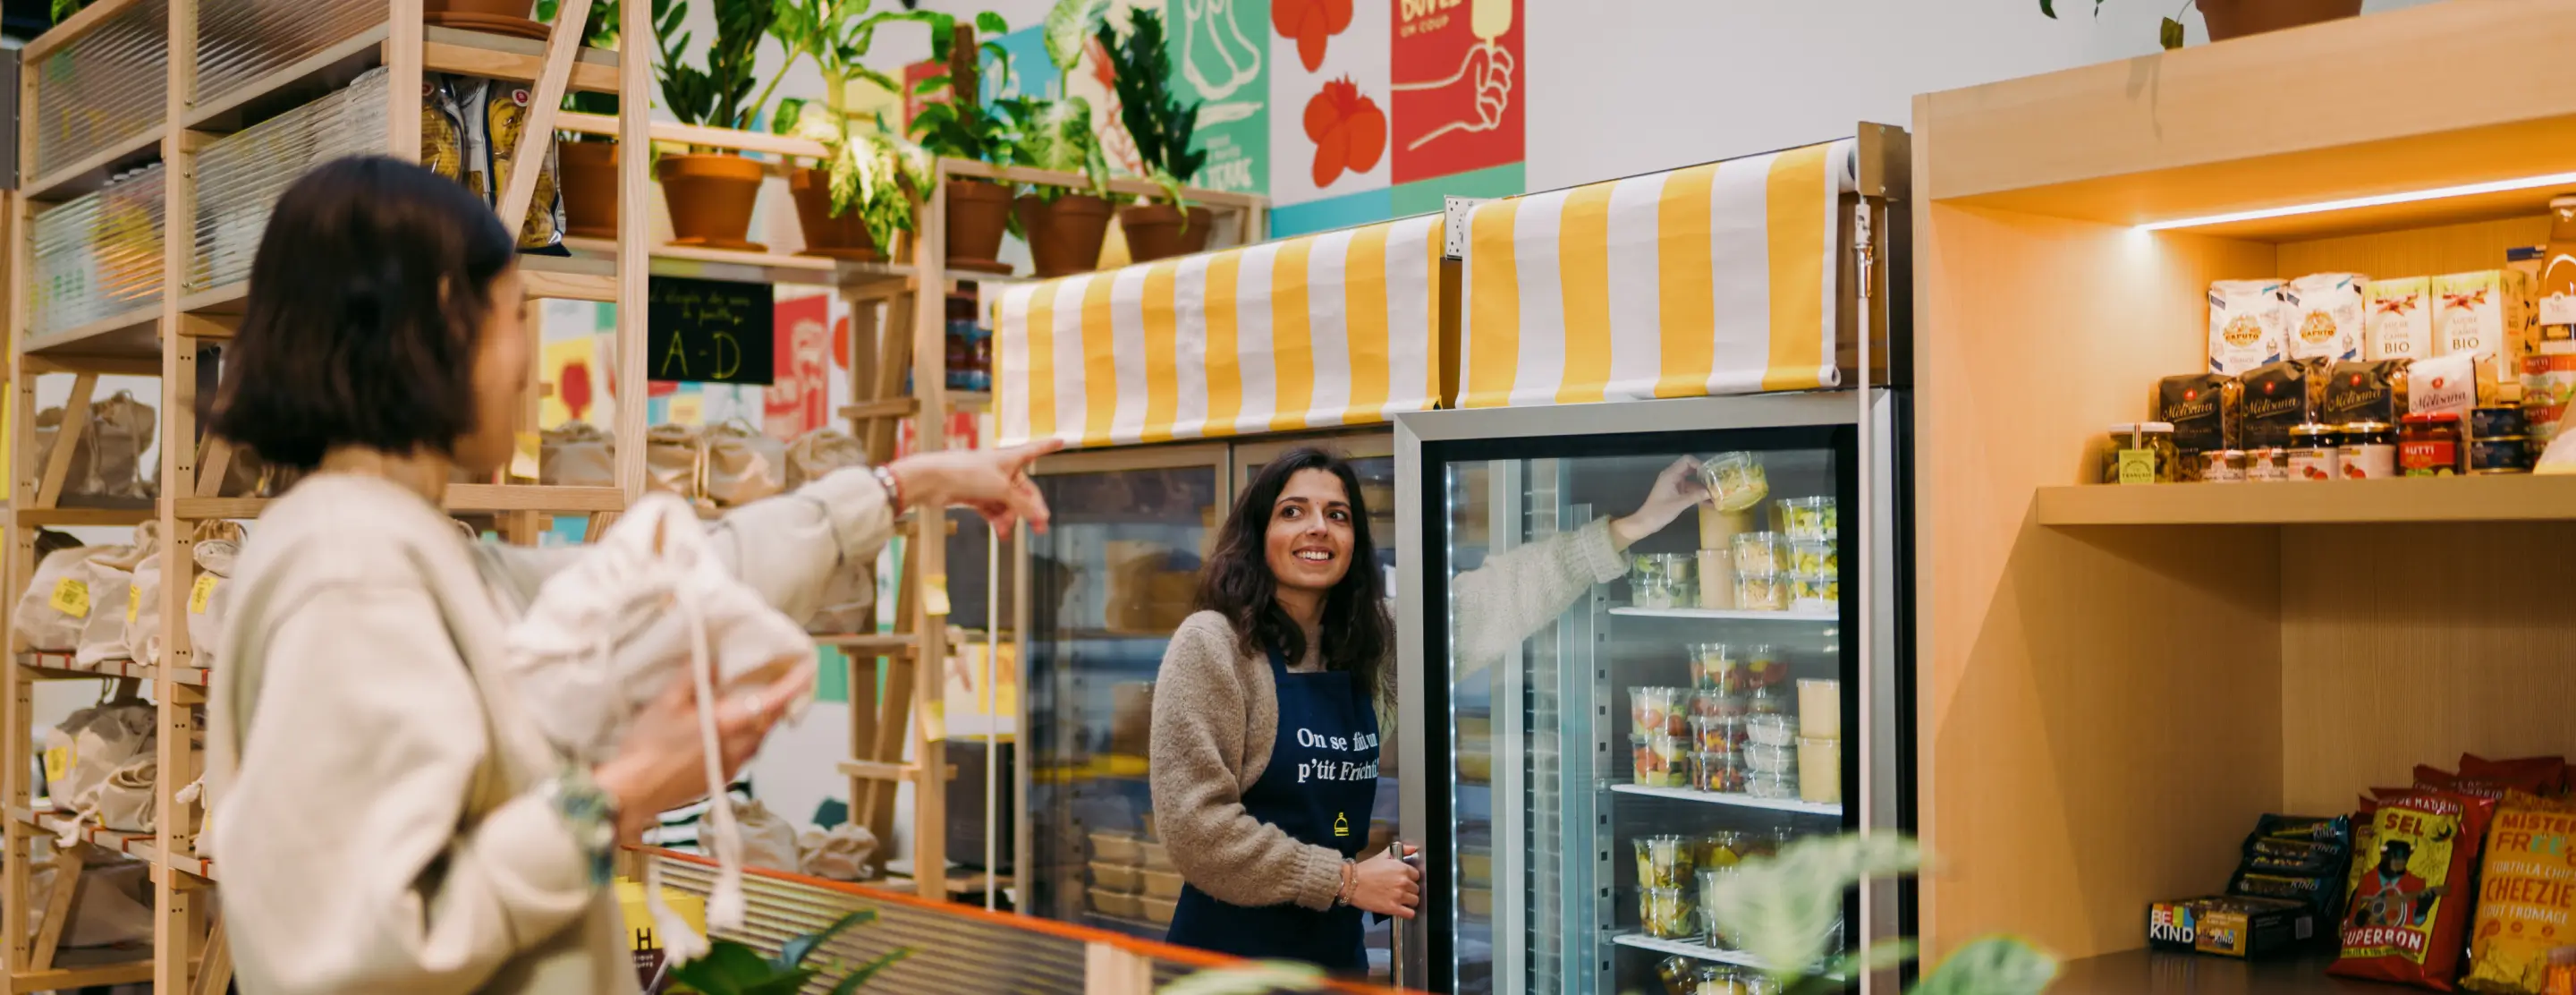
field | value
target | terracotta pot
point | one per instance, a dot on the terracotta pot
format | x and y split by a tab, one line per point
1065	235
711	196
844	237
1154	231
2237	18
494	8
978	215
589	188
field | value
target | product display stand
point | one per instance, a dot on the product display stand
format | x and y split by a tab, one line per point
163	340
2118	680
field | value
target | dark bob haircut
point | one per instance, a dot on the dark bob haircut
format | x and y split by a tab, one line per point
1357	631
367	300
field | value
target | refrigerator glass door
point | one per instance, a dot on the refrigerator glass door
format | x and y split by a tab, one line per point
1112	577
1614	747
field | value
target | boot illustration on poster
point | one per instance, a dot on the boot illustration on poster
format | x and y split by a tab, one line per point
1205	29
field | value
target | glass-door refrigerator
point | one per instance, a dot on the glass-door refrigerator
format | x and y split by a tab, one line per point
1599	753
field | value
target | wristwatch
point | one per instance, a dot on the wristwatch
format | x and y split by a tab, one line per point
893	491
591	815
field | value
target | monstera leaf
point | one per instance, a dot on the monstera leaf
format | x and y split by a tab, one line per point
1996	965
1783	910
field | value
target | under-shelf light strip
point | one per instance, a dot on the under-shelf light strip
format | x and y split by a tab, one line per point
2375	200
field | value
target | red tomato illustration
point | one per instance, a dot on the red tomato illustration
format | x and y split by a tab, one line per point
1310	22
1348	129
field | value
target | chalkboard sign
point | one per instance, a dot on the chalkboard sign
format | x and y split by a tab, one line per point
711	331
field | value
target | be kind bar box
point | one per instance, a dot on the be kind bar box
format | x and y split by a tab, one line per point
2482	314
2230	925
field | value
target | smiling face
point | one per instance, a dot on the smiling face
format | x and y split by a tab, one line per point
1309	540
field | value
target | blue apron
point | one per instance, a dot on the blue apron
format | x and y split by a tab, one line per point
1319	788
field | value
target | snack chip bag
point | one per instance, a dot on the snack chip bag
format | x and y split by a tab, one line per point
2404	920
2526	887
2543	776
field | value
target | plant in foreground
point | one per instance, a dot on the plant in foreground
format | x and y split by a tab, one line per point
730	968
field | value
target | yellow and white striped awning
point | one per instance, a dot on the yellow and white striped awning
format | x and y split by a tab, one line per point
1714	279
1339	328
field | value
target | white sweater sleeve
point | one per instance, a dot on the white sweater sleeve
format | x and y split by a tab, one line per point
788	547
351	865
1519	591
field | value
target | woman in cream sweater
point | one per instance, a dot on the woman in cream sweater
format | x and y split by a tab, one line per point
1266	712
388	816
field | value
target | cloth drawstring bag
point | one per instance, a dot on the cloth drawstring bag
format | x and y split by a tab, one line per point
88	747
674	462
111	592
111	906
767	840
814	455
210	597
576	454
55	606
649	604
61	742
142	636
743	465
125	801
840	853
107	460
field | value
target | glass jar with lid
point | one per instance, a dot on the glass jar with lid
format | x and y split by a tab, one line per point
2367	450
2431	445
2157	459
2314	452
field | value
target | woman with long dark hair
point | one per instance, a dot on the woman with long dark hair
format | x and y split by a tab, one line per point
1266	713
388	814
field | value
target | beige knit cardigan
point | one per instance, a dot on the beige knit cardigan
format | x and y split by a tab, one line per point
1216	713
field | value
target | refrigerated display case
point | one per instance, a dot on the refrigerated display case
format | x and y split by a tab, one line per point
1732	692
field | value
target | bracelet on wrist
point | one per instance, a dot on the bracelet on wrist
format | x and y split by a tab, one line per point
591	813
893	487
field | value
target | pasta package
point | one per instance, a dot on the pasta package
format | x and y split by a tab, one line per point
2277	398
470	126
2202	407
2406	915
2364	392
2526	895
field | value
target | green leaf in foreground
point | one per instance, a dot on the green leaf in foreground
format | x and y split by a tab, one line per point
1995	965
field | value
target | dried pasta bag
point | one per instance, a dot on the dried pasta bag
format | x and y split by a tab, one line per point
442	132
2526	884
2277	398
501	115
2364	392
2406	918
2202	408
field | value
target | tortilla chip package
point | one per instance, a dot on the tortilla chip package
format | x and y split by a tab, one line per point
2405	918
2526	887
2544	776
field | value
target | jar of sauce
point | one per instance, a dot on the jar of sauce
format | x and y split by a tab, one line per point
2430	445
2368	450
2268	465
2223	466
2313	453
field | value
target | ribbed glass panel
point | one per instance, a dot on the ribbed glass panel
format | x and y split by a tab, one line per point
240	176
239	41
98	254
104	89
951	953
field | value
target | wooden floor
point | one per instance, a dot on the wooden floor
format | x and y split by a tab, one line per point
2143	972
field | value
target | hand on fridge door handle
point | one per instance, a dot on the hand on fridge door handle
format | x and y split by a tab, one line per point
1676	490
1386	884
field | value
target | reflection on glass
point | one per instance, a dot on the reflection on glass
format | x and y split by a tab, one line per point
1611	766
1108	582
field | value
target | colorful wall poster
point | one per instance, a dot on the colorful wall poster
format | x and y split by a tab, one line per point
798	399
1457	63
571	367
1329	75
1220	49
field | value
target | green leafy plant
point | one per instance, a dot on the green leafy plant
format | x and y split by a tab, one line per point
730	968
1155	118
599	30
64	9
720	94
1258	978
2168	34
870	164
1055	133
1783	911
966	126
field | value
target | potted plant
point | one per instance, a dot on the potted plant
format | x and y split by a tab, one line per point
730	968
1065	227
711	192
1161	127
965	126
852	203
589	162
1782	910
2237	18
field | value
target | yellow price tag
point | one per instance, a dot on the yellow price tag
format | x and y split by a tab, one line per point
934	595
71	597
133	601
200	593
58	763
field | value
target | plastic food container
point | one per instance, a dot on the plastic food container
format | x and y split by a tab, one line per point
1111	903
1158	910
1651	710
1114	847
1762	591
1770	759
1123	878
1156	857
1708	880
1820	706
1716	979
1711	704
1771	730
1164	885
1667	913
1809	518
1773	786
1722	733
1759	553
1735	481
1814	592
1715	667
1661	761
1762	667
1820	770
1716	578
1813	556
1717	770
1658	592
1664	861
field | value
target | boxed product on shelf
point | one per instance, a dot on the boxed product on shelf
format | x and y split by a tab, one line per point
2230	925
2245	325
2323	316
2481	314
2400	322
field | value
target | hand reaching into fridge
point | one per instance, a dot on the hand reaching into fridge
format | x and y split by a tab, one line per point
1385	884
1676	490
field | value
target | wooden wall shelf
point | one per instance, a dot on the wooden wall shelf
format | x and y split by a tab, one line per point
2507	498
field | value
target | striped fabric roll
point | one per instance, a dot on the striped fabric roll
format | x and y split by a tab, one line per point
1338	328
1713	279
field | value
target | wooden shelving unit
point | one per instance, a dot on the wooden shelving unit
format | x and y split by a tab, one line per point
162	340
2116	681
